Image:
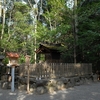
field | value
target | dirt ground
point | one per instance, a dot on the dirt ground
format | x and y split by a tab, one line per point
83	92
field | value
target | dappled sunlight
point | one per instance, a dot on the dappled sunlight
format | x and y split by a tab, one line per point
0	94
53	93
9	95
51	97
63	96
60	95
95	93
12	93
64	91
71	88
21	96
82	92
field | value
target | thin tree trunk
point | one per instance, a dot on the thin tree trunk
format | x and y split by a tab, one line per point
35	42
0	12
3	21
75	29
0	20
9	22
35	31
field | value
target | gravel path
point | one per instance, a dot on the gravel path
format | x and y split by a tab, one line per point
82	92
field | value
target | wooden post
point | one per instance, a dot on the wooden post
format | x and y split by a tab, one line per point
28	81
27	61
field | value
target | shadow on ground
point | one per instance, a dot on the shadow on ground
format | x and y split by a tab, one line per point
83	92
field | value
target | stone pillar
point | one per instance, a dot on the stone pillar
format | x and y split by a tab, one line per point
13	77
95	78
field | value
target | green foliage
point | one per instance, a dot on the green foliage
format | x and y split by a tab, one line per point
57	21
16	35
58	28
21	58
89	32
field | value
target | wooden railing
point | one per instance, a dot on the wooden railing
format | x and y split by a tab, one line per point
56	70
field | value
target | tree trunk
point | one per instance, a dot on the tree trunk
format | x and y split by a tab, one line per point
75	29
3	20
0	12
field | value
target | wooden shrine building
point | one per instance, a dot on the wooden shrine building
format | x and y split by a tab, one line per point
49	52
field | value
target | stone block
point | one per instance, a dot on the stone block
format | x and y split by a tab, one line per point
0	84
95	78
51	89
72	82
22	87
82	81
60	85
40	90
4	85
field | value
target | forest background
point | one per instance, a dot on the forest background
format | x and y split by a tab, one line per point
76	25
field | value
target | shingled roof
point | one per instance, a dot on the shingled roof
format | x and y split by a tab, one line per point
48	47
12	55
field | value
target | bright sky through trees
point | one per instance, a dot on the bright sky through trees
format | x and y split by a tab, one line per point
70	3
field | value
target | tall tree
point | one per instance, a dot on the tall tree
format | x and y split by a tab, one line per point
89	33
16	31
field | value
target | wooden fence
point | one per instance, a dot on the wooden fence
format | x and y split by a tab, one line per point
56	70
